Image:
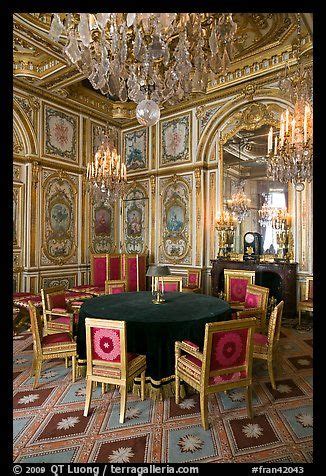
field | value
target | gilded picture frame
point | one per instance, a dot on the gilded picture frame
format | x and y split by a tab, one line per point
135	146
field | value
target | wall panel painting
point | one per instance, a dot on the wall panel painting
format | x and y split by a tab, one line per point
60	134
135	220
98	132
175	144
59	219
175	219
102	225
135	149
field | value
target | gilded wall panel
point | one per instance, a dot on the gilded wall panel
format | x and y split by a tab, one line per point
67	281
18	218
175	140
102	225
60	134
176	220
59	219
135	219
135	149
97	133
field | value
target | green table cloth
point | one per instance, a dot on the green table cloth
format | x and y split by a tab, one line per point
153	329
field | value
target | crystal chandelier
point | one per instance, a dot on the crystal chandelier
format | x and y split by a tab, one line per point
149	58
239	204
291	154
267	213
107	173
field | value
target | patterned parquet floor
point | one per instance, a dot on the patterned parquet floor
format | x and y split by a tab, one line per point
49	425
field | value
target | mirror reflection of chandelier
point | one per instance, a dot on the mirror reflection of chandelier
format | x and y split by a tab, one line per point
291	151
267	212
107	172
149	58
239	204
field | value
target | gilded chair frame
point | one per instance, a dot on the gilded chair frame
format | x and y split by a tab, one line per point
125	376
188	287
306	305
110	283
202	385
48	314
169	279
258	312
269	352
56	351
236	273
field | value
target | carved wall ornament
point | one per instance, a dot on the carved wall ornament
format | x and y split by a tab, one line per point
59	219
175	209
153	184
175	140
35	173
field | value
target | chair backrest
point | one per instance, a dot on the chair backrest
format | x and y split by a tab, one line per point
115	286
194	278
99	269
37	328
228	350
236	282
53	297
274	325
256	297
170	283
309	288
115	267
106	344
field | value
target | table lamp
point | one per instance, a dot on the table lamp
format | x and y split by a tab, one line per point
157	272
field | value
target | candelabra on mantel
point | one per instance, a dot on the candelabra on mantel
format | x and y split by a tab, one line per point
281	222
225	225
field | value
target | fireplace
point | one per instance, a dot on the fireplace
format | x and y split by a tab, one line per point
280	278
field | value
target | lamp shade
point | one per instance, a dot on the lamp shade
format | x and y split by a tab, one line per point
157	271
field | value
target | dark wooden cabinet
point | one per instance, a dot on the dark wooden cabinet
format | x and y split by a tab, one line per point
280	278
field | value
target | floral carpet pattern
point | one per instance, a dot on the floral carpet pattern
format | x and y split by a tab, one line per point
49	425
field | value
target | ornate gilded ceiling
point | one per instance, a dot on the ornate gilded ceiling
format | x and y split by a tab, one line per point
263	41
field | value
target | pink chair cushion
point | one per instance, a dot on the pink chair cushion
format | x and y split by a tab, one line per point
21	295
61	320
115	267
77	303
117	290
194	360
99	271
142	272
228	349
59	309
57	301
260	339
238	288
52	339
232	377
131	266
188	342
193	279
252	300
169	286
106	344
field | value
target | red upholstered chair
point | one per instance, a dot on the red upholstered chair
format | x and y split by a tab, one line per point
115	286
255	305
306	303
54	346
108	361
99	271
224	364
134	271
193	281
235	286
266	347
56	315
115	267
170	284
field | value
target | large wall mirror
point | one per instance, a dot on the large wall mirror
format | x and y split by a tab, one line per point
244	169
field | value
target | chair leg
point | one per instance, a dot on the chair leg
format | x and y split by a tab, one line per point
123	401
33	367
37	373
142	386
89	388
177	389
249	401
271	373
73	363
67	362
103	388
204	410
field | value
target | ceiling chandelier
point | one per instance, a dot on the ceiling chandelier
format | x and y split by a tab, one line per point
107	173
149	58
291	151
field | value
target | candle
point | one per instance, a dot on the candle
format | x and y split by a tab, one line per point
270	140
275	146
293	130
287	121
305	124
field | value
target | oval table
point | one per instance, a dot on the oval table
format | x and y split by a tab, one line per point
153	329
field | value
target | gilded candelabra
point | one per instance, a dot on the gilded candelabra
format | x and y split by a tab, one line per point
282	224
225	225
